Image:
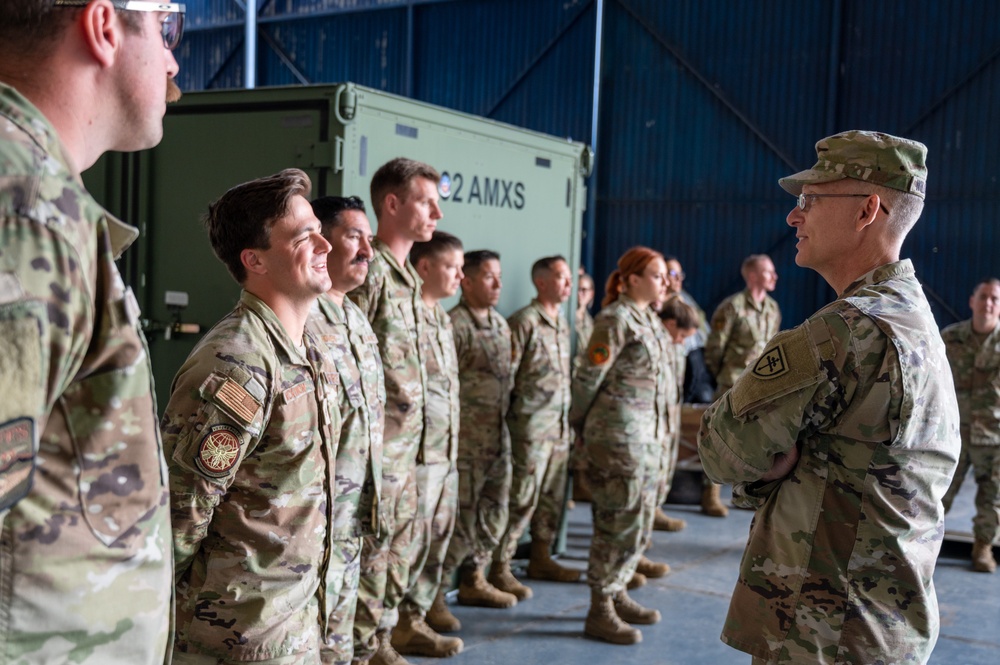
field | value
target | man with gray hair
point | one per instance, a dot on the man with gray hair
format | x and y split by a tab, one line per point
844	433
85	566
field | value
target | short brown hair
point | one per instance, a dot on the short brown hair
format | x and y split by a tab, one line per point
394	177
546	263
439	243
328	210
242	218
30	28
675	309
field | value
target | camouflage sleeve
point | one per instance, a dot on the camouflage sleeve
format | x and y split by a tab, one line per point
799	385
520	337
46	315
606	342
366	296
209	426
722	328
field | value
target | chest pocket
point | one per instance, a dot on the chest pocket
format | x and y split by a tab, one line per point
111	422
399	336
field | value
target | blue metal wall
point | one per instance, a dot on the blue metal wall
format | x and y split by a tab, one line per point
703	106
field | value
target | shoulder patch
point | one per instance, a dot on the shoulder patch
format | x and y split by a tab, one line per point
598	354
790	362
772	364
218	451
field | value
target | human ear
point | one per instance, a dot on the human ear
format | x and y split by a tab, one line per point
102	31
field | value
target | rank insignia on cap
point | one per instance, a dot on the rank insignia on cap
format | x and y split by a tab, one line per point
772	364
599	354
219	450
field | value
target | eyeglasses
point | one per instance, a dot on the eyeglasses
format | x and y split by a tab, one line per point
804	199
679	274
172	27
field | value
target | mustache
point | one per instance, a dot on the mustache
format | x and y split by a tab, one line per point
173	91
360	259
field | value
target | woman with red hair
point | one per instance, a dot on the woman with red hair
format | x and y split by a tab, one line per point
620	407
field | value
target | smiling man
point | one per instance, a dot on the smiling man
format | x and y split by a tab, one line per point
85	572
251	433
352	346
843	434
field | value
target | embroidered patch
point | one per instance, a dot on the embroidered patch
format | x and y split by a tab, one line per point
297	391
772	364
16	442
599	354
235	397
219	451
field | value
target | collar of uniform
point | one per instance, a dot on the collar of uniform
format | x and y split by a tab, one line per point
26	115
555	323
484	323
333	312
883	273
273	325
631	304
406	271
748	297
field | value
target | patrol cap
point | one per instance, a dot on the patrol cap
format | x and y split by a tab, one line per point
881	159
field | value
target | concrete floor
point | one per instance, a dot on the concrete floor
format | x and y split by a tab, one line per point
693	599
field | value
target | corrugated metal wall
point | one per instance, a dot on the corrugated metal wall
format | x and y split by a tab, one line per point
703	106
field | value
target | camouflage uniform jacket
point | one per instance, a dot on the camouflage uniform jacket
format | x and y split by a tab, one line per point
841	553
583	326
740	330
353	351
483	346
441	364
251	432
975	368
540	363
620	392
85	567
390	298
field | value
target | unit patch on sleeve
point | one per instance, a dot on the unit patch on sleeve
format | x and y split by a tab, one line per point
791	362
218	451
599	354
772	364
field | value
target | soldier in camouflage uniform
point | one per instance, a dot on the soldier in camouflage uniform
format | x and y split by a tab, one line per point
251	433
85	574
482	340
743	323
404	196
439	264
973	348
583	326
844	434
620	407
353	349
538	420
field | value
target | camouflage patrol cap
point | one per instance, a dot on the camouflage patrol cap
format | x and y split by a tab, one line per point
881	159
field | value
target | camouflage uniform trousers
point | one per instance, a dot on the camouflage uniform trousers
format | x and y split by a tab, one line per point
537	492
623	508
483	505
345	559
182	658
385	561
985	463
437	492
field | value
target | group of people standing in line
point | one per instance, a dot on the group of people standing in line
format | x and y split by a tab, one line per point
338	446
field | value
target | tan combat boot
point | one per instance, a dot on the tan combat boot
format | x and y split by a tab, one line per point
652	569
664	522
632	612
501	577
473	589
542	567
711	504
412	636
982	557
604	623
440	618
637	580
385	654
